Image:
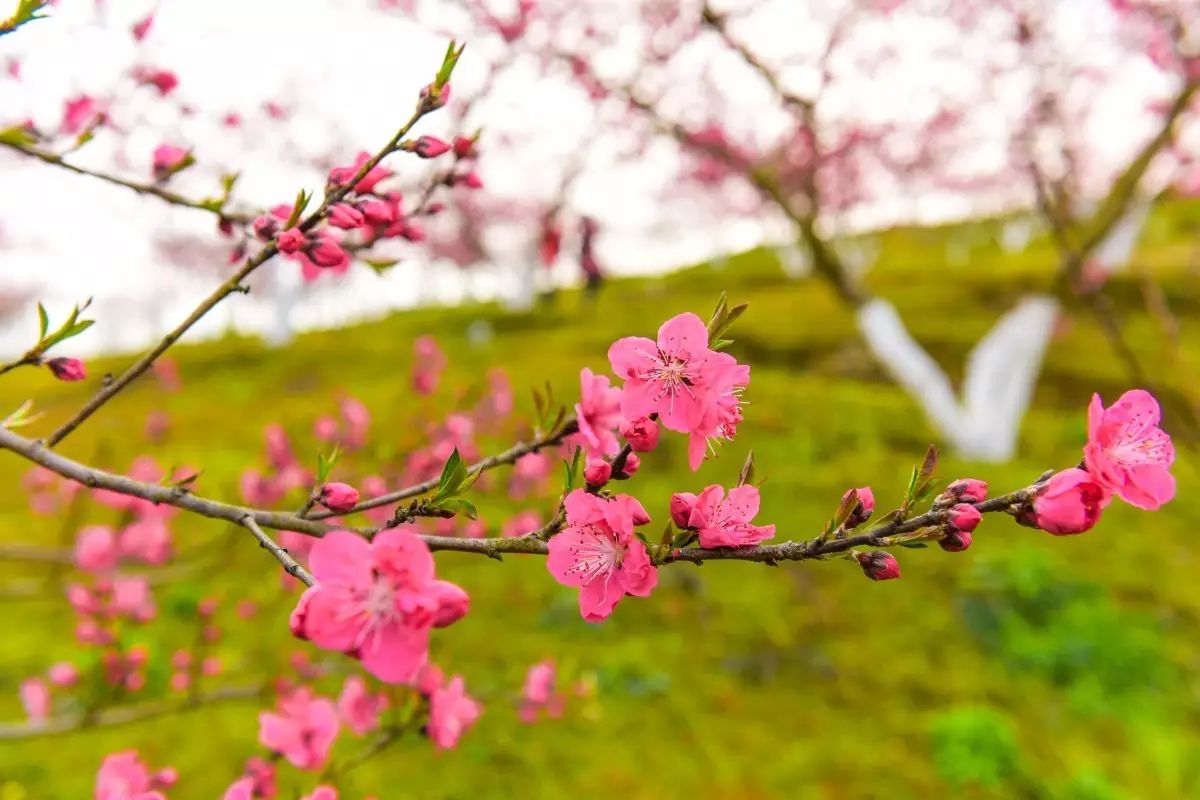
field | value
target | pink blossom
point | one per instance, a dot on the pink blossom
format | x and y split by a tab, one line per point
1070	502
598	552
169	159
279	449
67	369
641	433
451	712
538	693
303	729
146	540
529	470
359	708
291	241
96	549
597	472
123	776
131	598
142	27
345	216
63	673
164	80
322	793
257	782
338	496
725	521
1127	452
671	377
631	466
241	789
722	413
260	490
326	251
376	600
879	565
340	176
428	364
79	113
35	697
520	524
598	414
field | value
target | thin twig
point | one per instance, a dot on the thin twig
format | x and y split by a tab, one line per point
290	564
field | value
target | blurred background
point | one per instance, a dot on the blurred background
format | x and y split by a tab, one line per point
953	222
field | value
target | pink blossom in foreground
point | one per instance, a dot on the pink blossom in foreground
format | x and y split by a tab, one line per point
358	707
722	413
1070	502
725	521
302	730
451	712
123	776
67	369
598	553
538	694
377	601
1127	452
598	414
35	698
677	377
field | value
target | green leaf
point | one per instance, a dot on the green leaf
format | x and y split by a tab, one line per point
325	464
454	475
27	11
458	505
302	200
571	470
449	62
43	322
914	545
381	265
18	136
22	416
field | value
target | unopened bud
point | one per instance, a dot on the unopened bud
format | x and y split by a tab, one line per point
878	565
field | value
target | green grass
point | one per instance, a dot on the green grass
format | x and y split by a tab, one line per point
1030	666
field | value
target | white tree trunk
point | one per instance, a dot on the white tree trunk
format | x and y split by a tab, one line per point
1001	374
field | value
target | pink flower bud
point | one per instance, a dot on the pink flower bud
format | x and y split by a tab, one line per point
291	241
632	464
964	490
35	696
432	97
1070	502
413	232
955	541
878	565
326	252
169	159
338	496
642	434
464	147
682	504
865	507
471	180
453	603
430	147
379	212
964	517
67	369
597	472
345	216
265	227
435	208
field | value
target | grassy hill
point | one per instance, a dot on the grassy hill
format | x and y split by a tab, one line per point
1029	666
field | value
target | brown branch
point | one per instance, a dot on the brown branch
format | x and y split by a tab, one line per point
493	547
234	284
507	457
123	715
289	564
145	189
716	21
